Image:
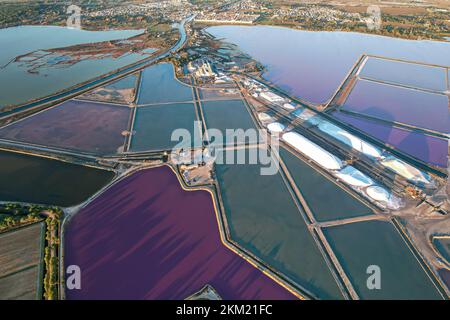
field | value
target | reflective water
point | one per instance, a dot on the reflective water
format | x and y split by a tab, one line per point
398	104
311	65
161	241
31	179
423	147
154	125
158	84
377	243
415	75
264	220
19	85
314	187
228	115
78	125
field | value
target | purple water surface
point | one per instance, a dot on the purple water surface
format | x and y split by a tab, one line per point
311	65
79	125
391	103
147	238
423	147
415	75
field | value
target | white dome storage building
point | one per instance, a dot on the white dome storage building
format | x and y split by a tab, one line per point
350	140
264	116
354	177
276	127
405	170
381	195
312	151
288	106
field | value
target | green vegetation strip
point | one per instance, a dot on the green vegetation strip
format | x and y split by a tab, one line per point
51	255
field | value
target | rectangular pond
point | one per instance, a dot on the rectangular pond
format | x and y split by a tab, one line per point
159	85
226	115
397	104
442	244
121	91
264	220
26	178
405	73
161	241
315	187
154	125
426	148
377	243
78	125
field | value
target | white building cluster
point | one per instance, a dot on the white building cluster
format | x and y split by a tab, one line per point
173	9
261	91
202	69
238	12
318	13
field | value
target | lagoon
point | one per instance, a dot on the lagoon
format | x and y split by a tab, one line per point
20	40
20	86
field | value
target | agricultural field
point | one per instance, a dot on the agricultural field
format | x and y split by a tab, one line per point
21	262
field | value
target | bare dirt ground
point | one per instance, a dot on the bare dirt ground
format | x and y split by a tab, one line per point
20	249
111	95
20	286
